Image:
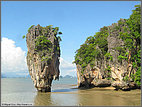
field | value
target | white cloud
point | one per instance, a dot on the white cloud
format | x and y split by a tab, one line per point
13	58
67	68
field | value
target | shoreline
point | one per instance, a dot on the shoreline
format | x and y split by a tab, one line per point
103	88
110	87
94	89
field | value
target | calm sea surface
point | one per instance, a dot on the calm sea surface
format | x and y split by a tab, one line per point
22	91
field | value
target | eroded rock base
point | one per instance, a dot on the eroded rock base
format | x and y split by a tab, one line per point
46	89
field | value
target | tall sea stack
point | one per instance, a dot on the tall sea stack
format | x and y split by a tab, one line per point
43	56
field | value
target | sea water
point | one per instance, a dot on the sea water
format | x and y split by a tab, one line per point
16	91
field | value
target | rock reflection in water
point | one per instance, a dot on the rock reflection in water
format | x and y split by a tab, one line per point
59	97
42	99
90	97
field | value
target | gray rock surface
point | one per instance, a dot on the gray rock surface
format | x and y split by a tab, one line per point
119	69
43	62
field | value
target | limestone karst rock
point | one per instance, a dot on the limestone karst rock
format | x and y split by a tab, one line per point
43	56
104	60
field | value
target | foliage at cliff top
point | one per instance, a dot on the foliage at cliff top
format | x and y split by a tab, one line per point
96	47
44	43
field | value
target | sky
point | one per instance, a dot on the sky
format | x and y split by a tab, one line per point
76	20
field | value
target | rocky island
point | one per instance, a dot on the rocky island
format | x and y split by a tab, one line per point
112	57
43	55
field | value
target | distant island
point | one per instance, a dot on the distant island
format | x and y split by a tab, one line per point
68	76
28	76
111	57
13	75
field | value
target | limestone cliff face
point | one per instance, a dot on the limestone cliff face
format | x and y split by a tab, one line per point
108	72
43	56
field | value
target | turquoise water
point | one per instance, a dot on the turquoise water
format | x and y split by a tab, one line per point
64	93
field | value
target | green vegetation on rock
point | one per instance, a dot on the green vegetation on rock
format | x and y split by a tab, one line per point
42	43
30	28
126	78
108	56
132	41
45	45
107	72
23	36
96	47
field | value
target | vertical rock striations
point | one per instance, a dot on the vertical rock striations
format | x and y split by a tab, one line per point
43	56
112	56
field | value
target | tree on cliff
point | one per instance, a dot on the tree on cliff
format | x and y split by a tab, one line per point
132	40
43	55
96	47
